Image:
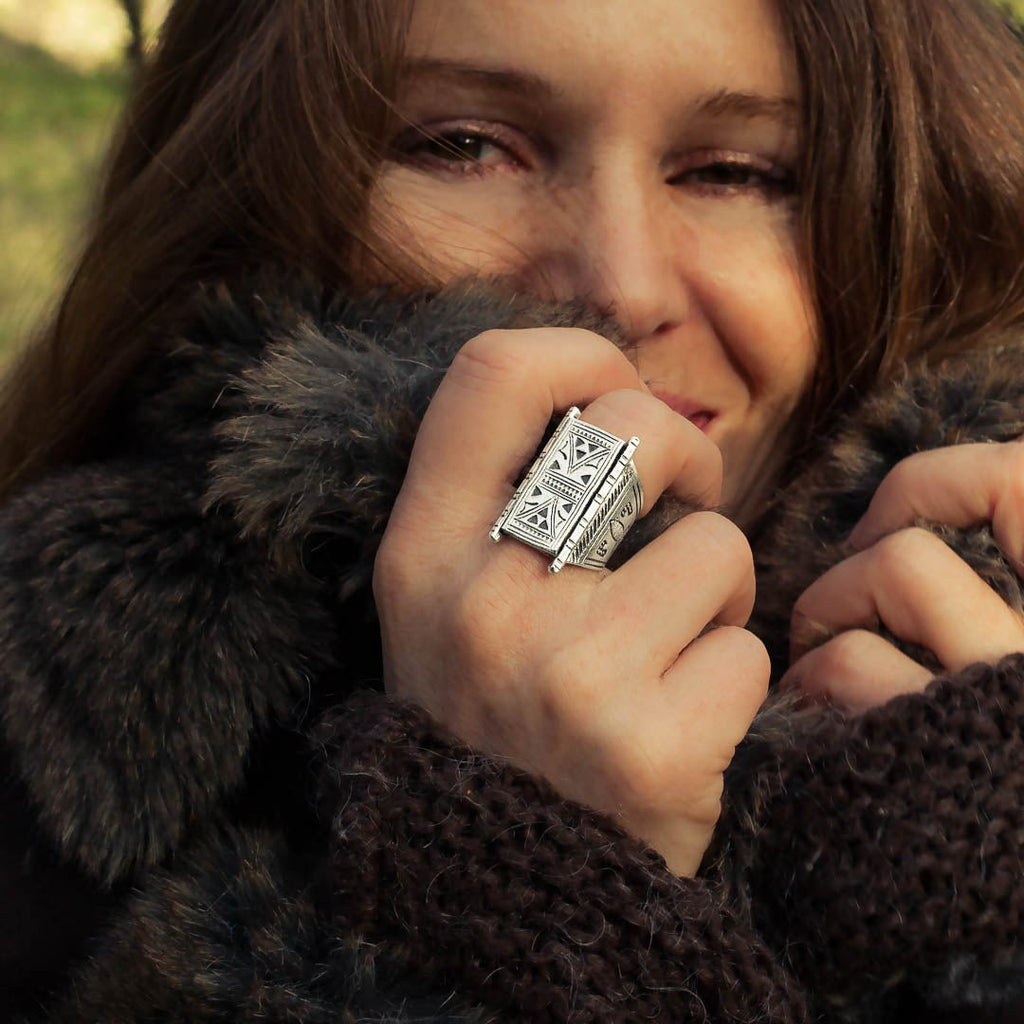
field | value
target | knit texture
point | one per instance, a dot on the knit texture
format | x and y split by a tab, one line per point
539	905
898	836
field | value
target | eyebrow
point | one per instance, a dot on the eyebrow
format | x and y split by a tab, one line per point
518	83
722	103
747	105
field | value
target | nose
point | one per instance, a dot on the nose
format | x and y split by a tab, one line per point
618	244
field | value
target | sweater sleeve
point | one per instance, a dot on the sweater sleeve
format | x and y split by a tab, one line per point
895	841
451	890
542	908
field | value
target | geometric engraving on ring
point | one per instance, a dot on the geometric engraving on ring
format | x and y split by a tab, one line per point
578	497
581	457
619	511
609	509
544	511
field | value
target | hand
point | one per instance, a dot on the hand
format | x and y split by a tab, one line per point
909	579
602	682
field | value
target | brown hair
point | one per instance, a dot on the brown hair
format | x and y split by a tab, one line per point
912	184
251	137
254	133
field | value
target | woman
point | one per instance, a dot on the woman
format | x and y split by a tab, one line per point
756	204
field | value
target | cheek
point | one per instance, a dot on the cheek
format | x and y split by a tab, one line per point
763	308
479	227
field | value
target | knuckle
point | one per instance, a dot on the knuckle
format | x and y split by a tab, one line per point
748	657
901	555
489	359
594	350
844	651
640	412
598	344
722	538
623	410
742	675
901	477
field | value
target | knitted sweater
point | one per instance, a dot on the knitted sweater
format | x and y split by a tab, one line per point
211	813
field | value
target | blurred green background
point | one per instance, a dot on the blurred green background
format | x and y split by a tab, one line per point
64	69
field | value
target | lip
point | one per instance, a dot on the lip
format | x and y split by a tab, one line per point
700	416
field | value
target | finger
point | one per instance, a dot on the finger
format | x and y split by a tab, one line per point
918	587
961	486
491	409
714	689
674	455
700	570
692	722
857	670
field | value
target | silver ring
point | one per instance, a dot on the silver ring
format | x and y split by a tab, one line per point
579	497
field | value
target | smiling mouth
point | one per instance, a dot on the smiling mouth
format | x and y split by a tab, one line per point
699	417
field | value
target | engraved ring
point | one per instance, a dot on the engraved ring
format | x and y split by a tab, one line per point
579	497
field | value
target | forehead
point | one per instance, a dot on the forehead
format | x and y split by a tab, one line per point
654	51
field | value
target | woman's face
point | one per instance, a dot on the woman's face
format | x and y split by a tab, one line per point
637	156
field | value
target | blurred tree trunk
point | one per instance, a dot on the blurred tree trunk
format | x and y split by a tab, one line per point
136	42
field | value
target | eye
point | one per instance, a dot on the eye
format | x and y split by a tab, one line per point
462	149
727	174
732	175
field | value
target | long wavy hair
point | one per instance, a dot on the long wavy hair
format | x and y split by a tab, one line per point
255	131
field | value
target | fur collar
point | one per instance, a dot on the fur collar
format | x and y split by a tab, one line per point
316	421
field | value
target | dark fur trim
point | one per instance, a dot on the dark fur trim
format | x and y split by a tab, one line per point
159	614
331	413
144	649
233	935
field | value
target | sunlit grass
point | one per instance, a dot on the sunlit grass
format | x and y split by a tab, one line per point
54	125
